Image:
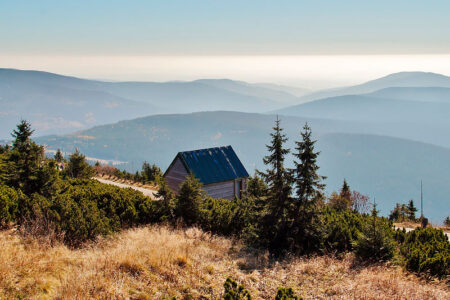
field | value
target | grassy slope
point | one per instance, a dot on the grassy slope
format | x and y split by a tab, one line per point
156	262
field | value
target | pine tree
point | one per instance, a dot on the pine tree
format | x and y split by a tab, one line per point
151	173
22	136
309	190
411	210
25	159
168	201
345	191
395	214
256	187
308	184
274	225
77	166
59	156
447	221
189	199
376	242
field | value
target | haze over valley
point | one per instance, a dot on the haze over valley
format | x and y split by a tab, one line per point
378	135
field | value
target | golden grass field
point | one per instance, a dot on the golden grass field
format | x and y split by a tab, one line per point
158	262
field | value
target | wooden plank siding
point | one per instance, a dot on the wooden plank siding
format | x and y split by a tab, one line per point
223	190
176	175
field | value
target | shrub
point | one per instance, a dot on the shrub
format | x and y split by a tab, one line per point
84	209
226	216
286	294
342	229
9	204
235	291
190	198
77	167
447	221
400	235
427	250
375	242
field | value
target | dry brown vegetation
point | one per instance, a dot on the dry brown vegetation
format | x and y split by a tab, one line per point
157	262
128	182
413	225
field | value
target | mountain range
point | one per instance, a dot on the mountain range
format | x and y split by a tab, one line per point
383	136
57	104
401	79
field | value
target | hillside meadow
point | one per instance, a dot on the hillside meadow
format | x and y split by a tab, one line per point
156	262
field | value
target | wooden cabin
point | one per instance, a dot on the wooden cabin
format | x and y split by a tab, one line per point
218	169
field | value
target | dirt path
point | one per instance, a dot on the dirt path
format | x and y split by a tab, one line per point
147	192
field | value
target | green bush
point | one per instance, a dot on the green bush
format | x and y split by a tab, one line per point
189	199
376	241
342	229
235	291
84	209
427	250
286	294
88	208
9	204
400	235
227	217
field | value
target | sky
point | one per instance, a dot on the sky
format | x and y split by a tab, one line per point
283	41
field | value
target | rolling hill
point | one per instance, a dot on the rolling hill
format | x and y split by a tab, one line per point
401	79
389	169
419	113
57	104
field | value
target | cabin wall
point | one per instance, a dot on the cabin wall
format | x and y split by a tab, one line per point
224	190
176	175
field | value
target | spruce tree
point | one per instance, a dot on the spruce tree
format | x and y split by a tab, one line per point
274	226
375	242
25	159
411	209
190	197
22	136
345	191
168	201
59	156
256	187
77	166
309	190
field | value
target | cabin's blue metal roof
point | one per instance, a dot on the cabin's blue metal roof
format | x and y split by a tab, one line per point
214	164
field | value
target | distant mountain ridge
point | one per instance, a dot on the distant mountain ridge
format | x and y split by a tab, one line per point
416	113
401	79
57	104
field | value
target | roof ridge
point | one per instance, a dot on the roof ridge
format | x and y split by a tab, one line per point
203	149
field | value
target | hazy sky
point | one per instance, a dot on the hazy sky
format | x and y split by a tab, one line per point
180	39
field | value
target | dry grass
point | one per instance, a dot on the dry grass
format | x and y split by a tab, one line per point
157	262
413	225
128	182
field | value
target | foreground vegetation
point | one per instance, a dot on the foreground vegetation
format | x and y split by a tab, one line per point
157	262
284	215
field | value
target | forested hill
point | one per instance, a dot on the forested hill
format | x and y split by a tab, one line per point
387	168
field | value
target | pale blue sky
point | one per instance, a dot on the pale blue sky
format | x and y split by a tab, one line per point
202	27
317	43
